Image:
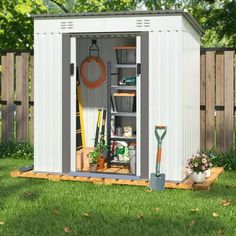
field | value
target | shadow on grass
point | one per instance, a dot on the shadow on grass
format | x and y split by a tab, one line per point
43	222
11	186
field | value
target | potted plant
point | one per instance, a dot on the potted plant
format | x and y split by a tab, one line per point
102	149
93	159
199	164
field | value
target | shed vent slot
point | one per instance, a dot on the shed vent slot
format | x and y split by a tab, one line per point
67	25
139	23
70	24
146	23
63	25
143	23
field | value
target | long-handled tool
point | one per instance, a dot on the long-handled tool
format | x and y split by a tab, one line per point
98	127
104	113
157	181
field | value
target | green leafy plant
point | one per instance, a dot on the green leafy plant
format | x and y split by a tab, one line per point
94	156
98	151
17	150
101	146
226	159
199	162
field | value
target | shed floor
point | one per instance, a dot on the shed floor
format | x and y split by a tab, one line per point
186	184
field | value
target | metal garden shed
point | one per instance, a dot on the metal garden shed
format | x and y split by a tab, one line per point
166	68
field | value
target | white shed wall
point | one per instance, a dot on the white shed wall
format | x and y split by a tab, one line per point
48	102
174	99
191	97
165	100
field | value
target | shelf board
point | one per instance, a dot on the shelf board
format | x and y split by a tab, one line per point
123	138
127	114
113	162
117	87
128	66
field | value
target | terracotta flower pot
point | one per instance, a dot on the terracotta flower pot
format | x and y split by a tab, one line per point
198	177
101	163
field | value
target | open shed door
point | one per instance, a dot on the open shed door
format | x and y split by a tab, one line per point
143	119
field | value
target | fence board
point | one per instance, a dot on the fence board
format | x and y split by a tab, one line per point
22	94
210	99
229	98
7	86
32	99
219	100
203	102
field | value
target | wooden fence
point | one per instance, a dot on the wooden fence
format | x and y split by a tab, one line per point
17	113
218	98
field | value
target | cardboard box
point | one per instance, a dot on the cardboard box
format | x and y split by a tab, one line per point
82	162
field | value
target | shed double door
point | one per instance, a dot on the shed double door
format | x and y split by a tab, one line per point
142	104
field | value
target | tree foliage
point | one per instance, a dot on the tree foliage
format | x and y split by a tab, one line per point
217	17
16	27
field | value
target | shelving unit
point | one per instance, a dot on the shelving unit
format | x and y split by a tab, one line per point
124	114
119	87
111	89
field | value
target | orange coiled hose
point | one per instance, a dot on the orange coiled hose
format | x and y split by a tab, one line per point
99	81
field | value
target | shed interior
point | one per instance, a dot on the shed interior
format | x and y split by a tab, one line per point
107	112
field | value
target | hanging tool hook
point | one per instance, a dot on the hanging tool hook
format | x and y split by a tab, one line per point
94	48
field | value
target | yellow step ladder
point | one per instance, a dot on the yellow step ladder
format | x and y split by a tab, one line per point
80	132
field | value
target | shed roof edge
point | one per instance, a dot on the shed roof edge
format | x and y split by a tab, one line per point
190	18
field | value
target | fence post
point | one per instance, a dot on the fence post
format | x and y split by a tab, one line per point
203	101
22	96
7	87
210	99
229	98
220	101
32	99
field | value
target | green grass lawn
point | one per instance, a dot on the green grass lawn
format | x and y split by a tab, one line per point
42	207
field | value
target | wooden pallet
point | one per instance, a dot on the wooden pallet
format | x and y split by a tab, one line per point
186	184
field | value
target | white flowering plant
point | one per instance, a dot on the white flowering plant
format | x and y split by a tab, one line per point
199	162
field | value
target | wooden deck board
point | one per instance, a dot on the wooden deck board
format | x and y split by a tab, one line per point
186	184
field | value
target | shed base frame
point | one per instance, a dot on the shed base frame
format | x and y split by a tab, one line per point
186	184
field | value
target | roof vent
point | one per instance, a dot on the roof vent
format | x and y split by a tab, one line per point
143	23
139	23
67	25
70	24
63	25
146	23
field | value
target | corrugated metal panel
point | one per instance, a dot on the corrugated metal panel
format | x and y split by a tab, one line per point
174	99
191	102
165	100
48	100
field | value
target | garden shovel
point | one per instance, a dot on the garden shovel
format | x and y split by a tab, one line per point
157	181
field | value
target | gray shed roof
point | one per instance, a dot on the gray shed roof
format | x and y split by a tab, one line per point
191	20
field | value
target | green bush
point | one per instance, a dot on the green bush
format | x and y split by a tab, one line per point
17	150
226	159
